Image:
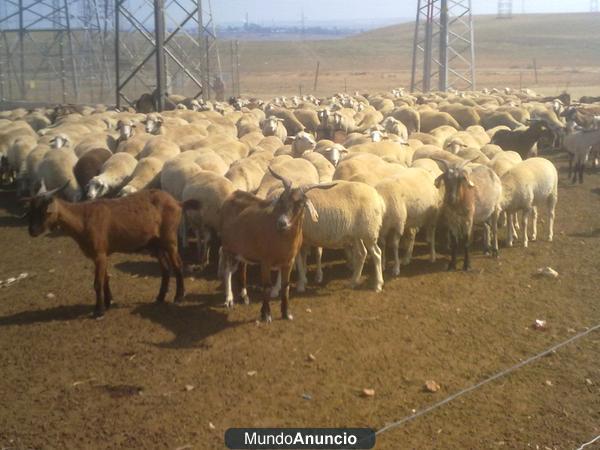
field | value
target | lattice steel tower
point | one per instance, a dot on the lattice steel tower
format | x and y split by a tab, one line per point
443	48
162	45
504	9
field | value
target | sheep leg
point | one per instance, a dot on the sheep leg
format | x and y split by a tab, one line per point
318	258
411	235
265	276
396	253
358	258
101	265
570	165
486	238
285	292
511	229
581	169
495	233
276	288
375	254
165	275
525	227
176	264
199	247
107	293
534	218
301	270
453	240
431	239
243	284
551	207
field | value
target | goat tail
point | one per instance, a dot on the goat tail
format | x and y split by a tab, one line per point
192	203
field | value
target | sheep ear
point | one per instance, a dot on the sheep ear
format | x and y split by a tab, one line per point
438	181
314	215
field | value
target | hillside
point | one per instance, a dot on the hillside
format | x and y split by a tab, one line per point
566	48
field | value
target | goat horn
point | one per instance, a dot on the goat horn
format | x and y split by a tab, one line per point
49	194
444	162
308	187
287	183
465	162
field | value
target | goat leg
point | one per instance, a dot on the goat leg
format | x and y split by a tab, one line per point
265	275
285	292
176	264
100	263
467	261
243	284
107	294
453	239
164	270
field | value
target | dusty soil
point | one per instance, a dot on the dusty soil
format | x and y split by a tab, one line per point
68	381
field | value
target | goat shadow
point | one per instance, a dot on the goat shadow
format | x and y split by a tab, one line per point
596	191
191	324
57	313
587	234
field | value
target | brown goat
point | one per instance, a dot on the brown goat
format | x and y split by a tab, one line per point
147	219
266	232
471	196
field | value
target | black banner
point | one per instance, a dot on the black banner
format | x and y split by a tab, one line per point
300	438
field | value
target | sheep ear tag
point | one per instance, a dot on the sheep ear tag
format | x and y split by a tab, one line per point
314	215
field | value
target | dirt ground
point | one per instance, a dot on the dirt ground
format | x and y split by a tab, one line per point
177	376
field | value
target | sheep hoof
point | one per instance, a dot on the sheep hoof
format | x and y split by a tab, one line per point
396	271
246	299
274	293
287	316
451	267
98	315
319	278
378	289
300	287
228	303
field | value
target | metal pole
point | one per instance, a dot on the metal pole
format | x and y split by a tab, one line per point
117	65
473	86
207	68
232	69
159	32
22	51
413	76
63	81
443	78
72	51
237	67
428	49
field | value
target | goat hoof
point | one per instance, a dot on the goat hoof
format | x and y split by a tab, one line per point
228	304
246	299
266	318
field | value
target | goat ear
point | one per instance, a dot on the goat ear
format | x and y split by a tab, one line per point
52	207
438	181
314	215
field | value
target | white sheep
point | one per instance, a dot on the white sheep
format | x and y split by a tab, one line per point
528	185
350	217
146	175
114	175
411	202
303	142
323	166
56	170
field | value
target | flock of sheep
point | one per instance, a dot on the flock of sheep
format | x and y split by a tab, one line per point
370	170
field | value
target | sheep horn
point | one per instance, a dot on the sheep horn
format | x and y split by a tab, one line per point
287	183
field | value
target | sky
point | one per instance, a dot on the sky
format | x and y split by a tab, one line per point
277	11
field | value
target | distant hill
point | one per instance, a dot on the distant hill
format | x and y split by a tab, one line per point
562	40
